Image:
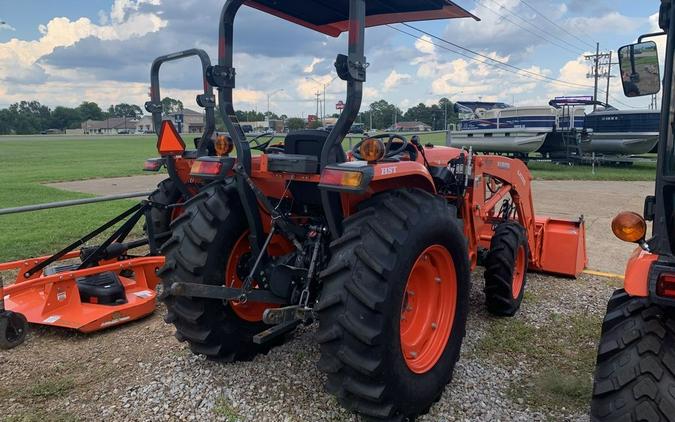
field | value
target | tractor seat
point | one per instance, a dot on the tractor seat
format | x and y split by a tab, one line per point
302	153
310	142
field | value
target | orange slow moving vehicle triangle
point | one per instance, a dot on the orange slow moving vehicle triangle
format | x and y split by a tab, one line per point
169	141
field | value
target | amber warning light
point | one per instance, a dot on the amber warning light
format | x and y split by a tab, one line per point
629	227
169	141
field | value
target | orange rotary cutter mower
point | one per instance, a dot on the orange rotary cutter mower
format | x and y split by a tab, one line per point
86	289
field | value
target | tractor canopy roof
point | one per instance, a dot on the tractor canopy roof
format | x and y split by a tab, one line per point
331	17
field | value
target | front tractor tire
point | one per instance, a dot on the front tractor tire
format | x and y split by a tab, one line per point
506	269
207	240
635	373
393	309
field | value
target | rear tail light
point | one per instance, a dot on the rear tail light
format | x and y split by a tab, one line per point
206	168
153	164
350	179
665	286
211	167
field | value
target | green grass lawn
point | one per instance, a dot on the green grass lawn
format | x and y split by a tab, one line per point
29	161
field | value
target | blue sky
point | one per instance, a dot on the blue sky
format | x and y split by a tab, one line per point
65	52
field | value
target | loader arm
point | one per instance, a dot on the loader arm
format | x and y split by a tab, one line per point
555	245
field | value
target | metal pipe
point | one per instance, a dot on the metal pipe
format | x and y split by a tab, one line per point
72	202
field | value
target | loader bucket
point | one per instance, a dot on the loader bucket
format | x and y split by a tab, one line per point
561	246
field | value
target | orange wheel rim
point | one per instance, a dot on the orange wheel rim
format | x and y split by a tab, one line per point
249	311
518	273
428	309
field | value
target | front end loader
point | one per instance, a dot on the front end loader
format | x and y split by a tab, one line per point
376	243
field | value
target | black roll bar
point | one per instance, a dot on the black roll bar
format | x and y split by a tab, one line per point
222	76
351	68
206	100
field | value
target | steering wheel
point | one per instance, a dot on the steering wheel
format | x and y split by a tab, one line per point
388	151
257	143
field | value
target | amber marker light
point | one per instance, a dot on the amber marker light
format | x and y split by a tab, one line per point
372	150
629	226
223	145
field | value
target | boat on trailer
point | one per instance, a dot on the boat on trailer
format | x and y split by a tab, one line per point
499	127
622	132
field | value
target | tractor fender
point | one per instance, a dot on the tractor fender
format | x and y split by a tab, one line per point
636	281
403	174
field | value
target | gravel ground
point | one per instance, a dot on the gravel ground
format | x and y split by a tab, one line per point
140	372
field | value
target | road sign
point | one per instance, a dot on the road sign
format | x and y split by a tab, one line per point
340	105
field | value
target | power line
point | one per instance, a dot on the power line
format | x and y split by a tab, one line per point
499	62
541	33
555	24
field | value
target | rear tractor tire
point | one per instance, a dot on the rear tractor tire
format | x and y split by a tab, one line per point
166	194
393	309
208	240
635	372
506	269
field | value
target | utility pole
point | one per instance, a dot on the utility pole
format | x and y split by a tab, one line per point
609	77
318	94
269	95
601	66
595	85
324	85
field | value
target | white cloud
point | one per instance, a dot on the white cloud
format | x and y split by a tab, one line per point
6	27
19	59
307	87
425	45
310	68
394	80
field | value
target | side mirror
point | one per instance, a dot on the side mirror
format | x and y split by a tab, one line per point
639	64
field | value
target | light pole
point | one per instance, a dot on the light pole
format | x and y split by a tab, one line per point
269	95
324	95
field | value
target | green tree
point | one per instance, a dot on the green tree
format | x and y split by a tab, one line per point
90	111
6	122
382	114
314	124
125	110
29	117
170	105
250	116
296	123
65	118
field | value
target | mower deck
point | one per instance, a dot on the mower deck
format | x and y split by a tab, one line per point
55	299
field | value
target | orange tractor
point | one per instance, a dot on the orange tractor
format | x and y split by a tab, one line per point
635	374
377	243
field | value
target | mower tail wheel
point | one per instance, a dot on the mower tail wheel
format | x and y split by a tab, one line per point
13	329
635	373
392	312
203	238
506	269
